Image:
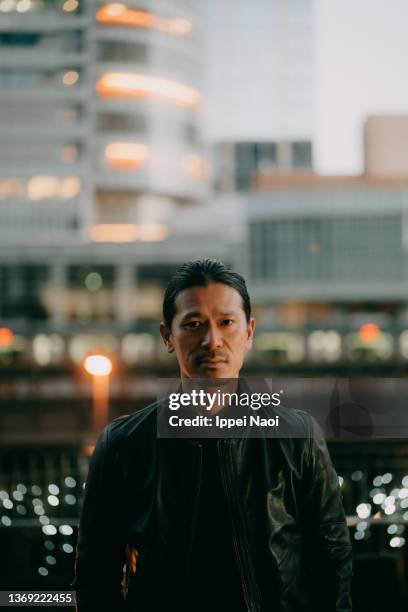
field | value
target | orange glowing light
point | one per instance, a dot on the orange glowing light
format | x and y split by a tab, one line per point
98	365
369	332
114	232
126	154
128	232
152	232
6	337
120	14
142	86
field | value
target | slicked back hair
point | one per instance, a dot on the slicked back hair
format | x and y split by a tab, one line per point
200	273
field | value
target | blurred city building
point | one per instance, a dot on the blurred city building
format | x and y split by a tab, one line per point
260	83
327	262
386	146
44	122
247	165
99	119
104	187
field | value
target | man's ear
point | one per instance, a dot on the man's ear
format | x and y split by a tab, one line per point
250	332
167	337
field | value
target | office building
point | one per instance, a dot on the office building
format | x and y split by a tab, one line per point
102	162
99	119
260	86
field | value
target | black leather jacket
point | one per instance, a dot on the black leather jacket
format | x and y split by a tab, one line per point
289	531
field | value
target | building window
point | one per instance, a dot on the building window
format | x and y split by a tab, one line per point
27	79
21	290
190	133
65	42
19	39
267	156
302	154
246	159
121	122
121	51
339	249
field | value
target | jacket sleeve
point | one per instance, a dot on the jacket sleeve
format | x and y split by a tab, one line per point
100	548
327	547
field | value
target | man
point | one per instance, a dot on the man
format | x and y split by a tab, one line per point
234	525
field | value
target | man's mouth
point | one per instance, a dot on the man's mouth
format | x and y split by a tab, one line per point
212	360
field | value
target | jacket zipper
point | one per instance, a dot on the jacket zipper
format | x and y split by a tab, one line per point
194	521
251	602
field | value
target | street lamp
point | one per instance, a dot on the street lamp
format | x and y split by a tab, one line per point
100	367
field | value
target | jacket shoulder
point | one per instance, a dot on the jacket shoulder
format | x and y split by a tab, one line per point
295	423
140	424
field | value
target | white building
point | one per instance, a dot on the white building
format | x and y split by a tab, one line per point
260	69
44	122
102	170
99	119
260	86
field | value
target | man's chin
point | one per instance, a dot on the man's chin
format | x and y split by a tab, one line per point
214	371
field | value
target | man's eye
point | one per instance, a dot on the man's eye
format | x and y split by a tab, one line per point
227	322
192	325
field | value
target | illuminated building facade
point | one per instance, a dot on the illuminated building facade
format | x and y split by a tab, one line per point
327	260
147	138
103	171
44	121
99	119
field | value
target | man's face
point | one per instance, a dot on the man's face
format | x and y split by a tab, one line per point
209	332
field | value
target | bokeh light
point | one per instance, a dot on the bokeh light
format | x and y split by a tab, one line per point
98	365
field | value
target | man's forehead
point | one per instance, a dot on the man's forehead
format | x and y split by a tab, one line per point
217	296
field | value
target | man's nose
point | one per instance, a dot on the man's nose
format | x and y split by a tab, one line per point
212	338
